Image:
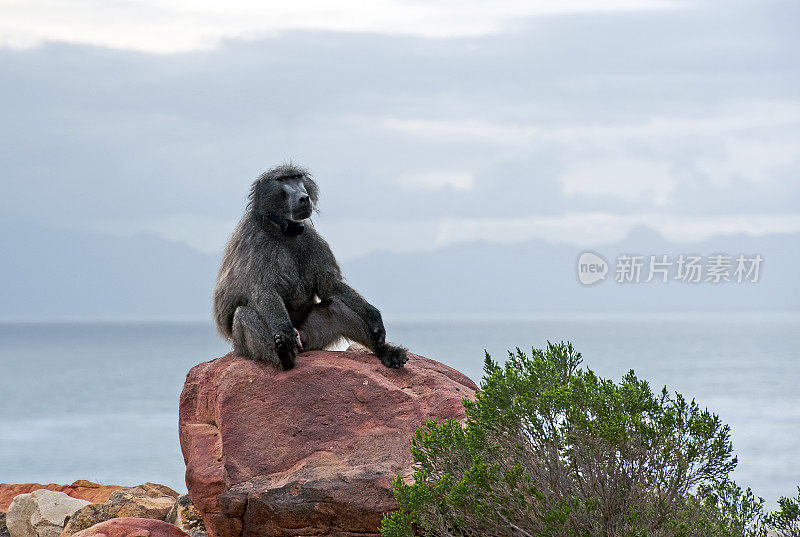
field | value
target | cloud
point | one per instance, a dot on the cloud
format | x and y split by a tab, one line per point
750	159
690	114
467	130
629	179
438	181
169	26
737	149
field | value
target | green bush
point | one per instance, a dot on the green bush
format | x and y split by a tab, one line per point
551	449
786	521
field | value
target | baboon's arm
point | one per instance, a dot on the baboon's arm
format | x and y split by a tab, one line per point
353	300
368	313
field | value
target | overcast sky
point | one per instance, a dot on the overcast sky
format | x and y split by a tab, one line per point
424	123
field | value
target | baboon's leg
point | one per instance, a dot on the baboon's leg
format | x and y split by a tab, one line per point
327	322
252	338
332	319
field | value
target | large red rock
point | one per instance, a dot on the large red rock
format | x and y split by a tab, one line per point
132	527
81	489
309	451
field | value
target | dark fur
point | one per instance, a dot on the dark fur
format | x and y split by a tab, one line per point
271	283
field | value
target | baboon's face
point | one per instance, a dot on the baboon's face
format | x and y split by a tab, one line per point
287	192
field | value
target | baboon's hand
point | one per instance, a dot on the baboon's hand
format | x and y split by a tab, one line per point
286	348
375	324
392	356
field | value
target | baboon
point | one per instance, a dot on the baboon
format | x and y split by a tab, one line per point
280	289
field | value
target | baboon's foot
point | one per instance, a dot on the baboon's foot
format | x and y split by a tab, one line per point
286	349
392	355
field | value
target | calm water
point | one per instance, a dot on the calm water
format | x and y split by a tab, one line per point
99	401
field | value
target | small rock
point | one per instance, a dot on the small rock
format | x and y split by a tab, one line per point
149	500
132	527
185	516
41	513
3	529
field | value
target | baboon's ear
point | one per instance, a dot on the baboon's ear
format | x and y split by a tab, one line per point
312	189
251	196
256	189
259	191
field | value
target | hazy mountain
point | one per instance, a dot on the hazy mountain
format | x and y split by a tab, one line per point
539	276
57	274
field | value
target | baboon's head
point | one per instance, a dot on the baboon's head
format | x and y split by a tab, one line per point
286	193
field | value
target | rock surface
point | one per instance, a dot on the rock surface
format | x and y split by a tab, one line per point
149	500
41	513
132	527
309	451
185	516
82	489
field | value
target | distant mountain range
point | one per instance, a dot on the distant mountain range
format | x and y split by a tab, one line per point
538	276
58	274
62	274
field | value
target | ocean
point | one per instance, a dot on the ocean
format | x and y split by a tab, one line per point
98	401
